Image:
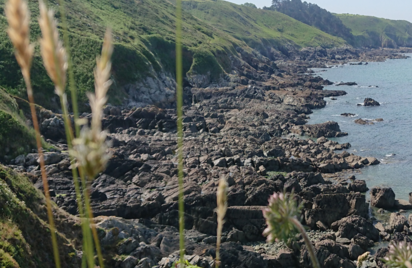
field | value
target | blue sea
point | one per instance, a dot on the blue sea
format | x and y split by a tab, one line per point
389	83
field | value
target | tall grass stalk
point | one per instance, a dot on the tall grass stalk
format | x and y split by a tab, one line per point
73	93
282	223
221	212
90	147
72	84
56	63
18	17
308	244
179	106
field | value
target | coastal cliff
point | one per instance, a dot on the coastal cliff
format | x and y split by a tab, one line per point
247	98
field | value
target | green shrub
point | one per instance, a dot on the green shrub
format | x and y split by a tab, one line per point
15	137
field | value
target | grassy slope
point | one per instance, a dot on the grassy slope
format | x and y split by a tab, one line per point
378	32
24	233
259	27
15	137
144	34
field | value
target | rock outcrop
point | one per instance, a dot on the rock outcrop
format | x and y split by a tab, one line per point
382	198
370	102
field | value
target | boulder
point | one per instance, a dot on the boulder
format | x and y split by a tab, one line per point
348	114
349	227
361	121
53	128
397	222
328	208
383	197
362	241
358	186
355	251
373	161
348	83
221	162
329	129
380	256
402	204
370	102
51	158
129	262
236	235
285	258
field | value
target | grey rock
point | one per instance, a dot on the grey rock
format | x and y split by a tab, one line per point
370	102
382	197
397	222
221	162
236	235
129	262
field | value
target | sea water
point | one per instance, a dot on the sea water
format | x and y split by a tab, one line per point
390	141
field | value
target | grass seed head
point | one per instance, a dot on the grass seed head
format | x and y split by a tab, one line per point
52	50
18	17
399	255
90	149
281	209
222	198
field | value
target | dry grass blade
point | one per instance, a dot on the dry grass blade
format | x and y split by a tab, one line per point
18	17
52	51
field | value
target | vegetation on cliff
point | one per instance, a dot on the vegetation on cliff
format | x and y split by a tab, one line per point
259	28
23	226
357	30
377	32
144	41
312	14
16	137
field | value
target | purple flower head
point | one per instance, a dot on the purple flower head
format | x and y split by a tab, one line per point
281	209
399	255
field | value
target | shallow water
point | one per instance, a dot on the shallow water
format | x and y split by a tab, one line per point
391	140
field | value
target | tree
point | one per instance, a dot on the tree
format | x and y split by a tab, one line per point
249	5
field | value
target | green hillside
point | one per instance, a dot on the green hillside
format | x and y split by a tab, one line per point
313	15
144	33
259	28
377	32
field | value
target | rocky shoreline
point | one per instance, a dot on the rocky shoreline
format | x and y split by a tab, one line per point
245	133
